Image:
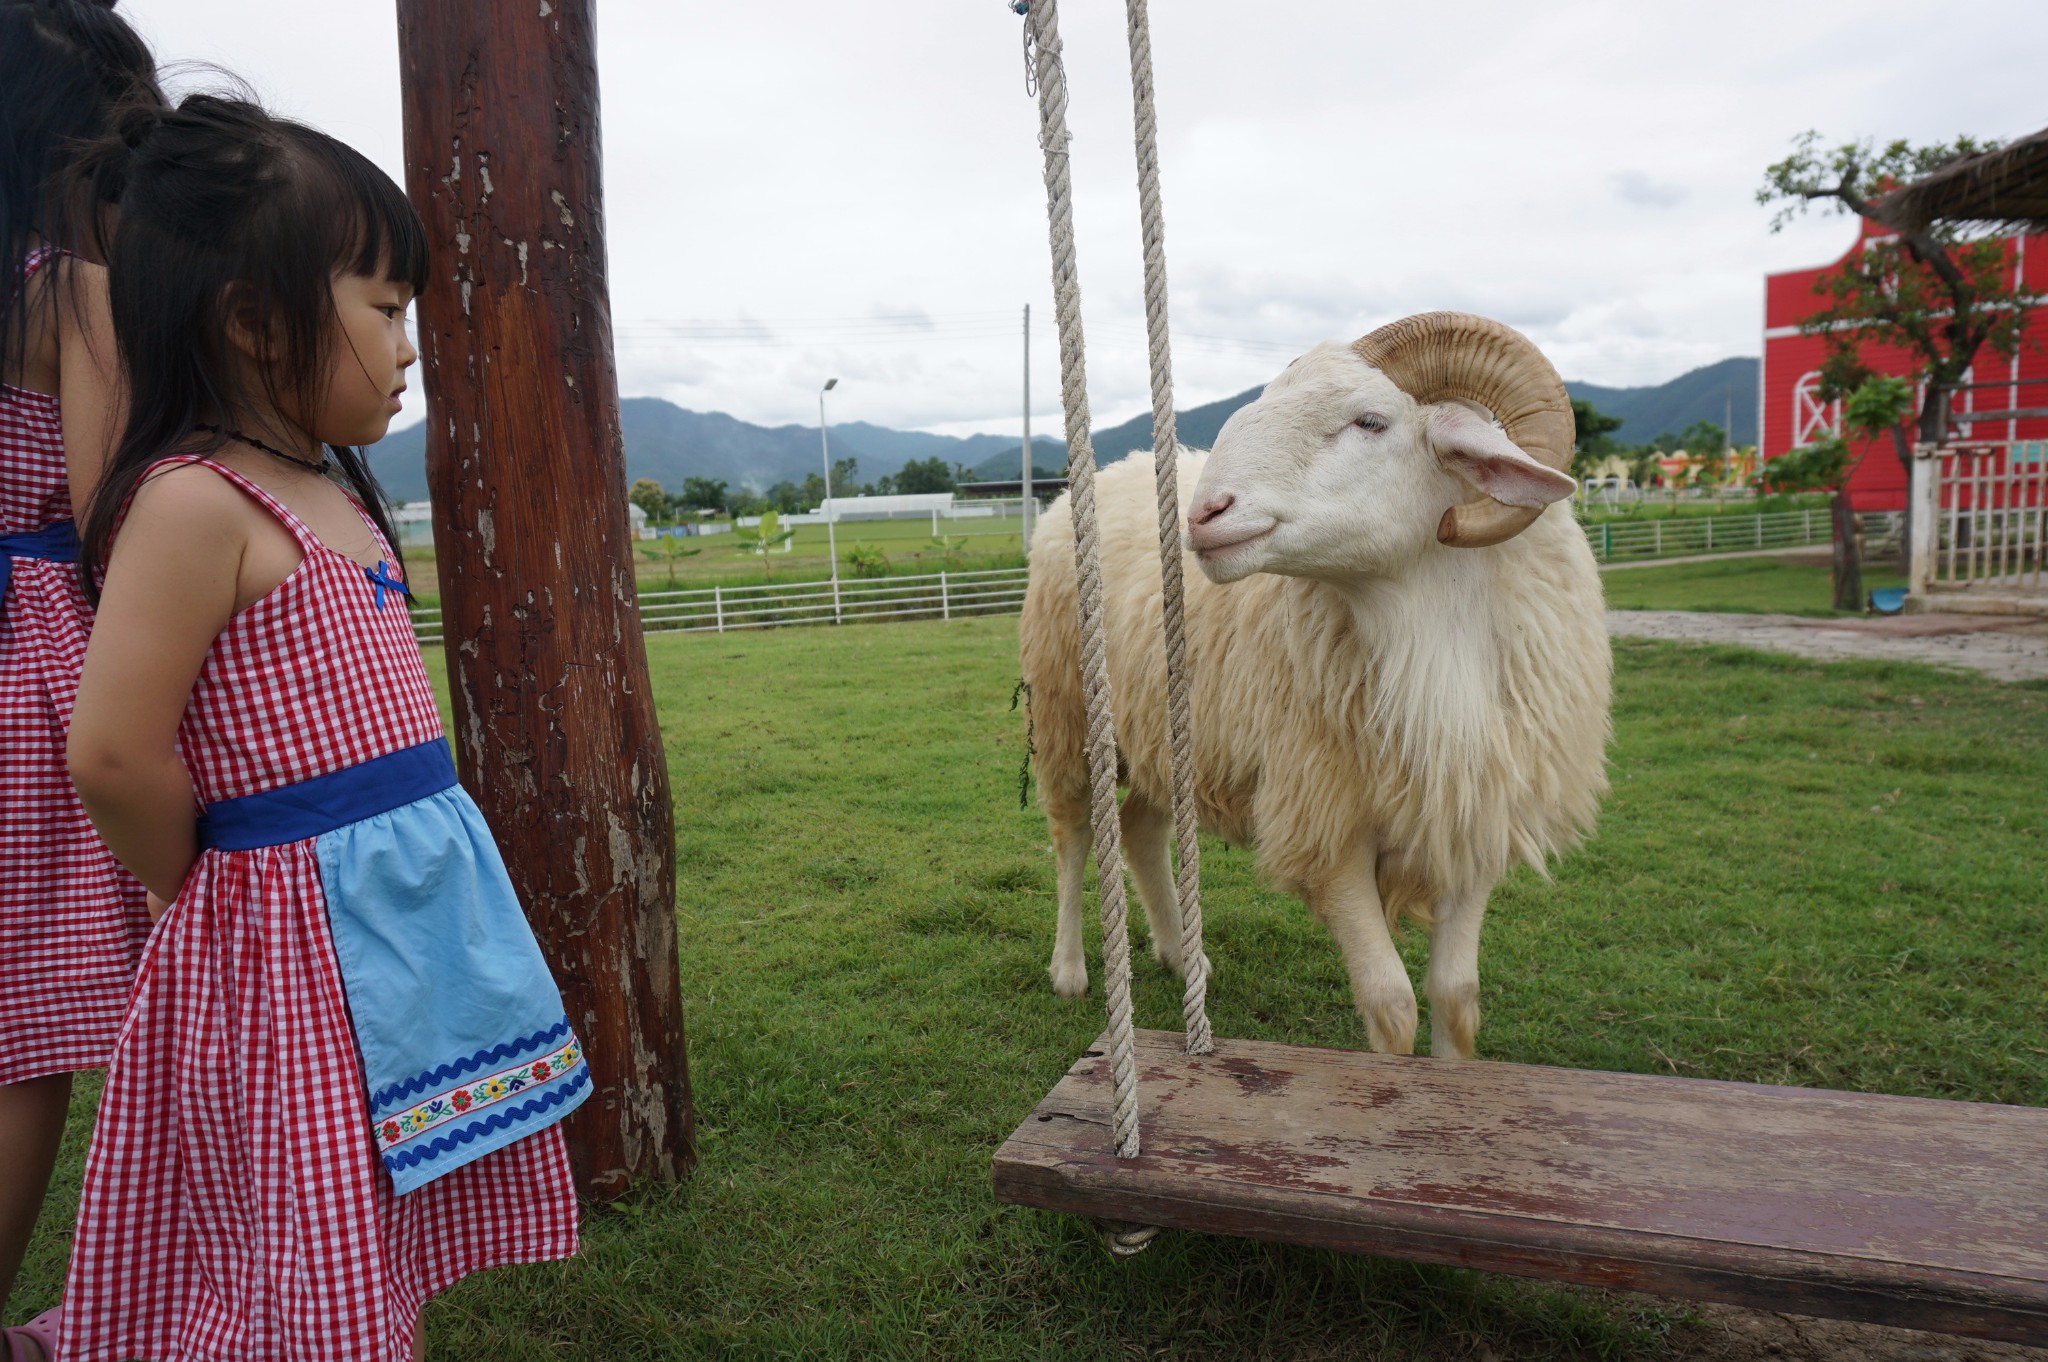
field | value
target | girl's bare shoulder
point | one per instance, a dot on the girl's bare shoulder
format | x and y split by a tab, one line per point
191	497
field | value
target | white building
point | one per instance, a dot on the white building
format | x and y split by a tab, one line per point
907	507
414	521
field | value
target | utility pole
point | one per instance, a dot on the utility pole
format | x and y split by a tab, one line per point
831	538
554	719
1028	504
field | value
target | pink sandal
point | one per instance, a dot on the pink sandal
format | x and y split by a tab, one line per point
41	1331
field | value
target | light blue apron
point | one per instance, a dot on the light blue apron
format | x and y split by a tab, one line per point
464	1042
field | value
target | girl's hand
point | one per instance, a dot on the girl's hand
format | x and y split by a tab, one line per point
170	588
157	907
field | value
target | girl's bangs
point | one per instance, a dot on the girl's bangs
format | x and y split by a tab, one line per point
381	236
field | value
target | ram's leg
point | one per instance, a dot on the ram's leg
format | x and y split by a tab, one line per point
1350	906
1148	851
1071	840
1453	978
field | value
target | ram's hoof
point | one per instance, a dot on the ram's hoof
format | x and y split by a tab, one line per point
1069	981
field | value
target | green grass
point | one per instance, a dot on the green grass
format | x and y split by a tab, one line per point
1789	586
1805	874
989	543
1593	510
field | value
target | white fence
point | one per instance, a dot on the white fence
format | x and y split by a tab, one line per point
767	605
947	595
1988	506
1685	536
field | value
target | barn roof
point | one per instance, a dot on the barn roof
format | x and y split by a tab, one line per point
2007	187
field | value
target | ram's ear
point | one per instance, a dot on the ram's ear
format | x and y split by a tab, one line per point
1480	452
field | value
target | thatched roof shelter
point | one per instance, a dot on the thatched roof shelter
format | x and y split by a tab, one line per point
2006	188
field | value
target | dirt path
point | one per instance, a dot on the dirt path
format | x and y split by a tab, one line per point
2006	647
1727	1334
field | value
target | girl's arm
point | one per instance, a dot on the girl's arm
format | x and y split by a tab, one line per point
93	397
170	589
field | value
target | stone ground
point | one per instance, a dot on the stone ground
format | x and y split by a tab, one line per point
2006	647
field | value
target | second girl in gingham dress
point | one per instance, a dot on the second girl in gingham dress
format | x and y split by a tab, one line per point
336	1090
71	921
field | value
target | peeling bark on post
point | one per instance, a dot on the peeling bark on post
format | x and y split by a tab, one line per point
554	721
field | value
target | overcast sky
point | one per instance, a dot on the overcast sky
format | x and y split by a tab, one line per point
812	188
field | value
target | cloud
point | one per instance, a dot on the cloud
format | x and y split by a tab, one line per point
1636	187
867	201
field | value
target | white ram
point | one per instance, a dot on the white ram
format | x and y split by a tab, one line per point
1401	665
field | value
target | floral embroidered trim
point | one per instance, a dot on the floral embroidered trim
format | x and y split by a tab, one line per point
470	1098
432	1079
567	1095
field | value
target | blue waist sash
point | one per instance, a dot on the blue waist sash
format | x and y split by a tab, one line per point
56	543
292	813
464	1042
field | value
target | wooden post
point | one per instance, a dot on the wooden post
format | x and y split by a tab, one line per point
554	721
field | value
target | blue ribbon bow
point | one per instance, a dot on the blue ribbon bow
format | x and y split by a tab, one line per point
380	577
56	543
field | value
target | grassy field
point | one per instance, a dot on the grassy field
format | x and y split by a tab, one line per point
907	545
1814	875
1594	510
1793	585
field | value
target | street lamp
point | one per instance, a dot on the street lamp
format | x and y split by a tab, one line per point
831	538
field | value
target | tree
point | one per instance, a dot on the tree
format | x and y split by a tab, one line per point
1708	443
1592	431
1937	292
788	498
1878	404
703	494
812	493
650	497
763	539
846	478
925	475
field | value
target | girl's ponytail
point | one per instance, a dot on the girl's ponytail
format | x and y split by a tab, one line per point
65	66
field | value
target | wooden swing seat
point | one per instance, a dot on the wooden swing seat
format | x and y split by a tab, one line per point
1895	1210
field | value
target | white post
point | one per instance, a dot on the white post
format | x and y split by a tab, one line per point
1026	508
831	538
1710	533
1759	530
935	522
1657	537
1926	498
718	607
945	603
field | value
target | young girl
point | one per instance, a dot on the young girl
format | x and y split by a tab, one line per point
336	1087
71	922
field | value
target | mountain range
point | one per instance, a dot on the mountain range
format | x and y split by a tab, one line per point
668	443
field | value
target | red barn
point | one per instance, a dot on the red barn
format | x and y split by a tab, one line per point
1792	414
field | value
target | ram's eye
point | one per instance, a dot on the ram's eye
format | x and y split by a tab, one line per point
1371	422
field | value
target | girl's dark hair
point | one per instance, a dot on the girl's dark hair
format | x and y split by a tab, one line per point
227	210
65	65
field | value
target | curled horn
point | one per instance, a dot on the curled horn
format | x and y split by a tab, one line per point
1440	356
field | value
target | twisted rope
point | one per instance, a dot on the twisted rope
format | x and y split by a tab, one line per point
1165	464
1043	43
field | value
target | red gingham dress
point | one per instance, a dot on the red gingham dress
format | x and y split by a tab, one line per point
234	1206
72	922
